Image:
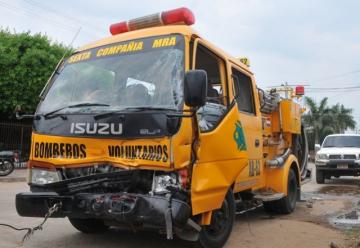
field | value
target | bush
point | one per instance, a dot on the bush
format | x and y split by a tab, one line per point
26	63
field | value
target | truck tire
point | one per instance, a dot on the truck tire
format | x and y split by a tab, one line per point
217	233
88	225
287	204
320	176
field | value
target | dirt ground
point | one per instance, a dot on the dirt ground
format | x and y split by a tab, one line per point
327	216
313	224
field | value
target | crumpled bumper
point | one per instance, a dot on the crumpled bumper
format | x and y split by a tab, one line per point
122	207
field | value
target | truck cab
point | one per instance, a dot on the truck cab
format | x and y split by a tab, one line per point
155	126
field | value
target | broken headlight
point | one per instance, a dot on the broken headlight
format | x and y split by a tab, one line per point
43	176
162	183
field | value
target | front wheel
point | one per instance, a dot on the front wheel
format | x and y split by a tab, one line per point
89	225
222	220
6	167
320	176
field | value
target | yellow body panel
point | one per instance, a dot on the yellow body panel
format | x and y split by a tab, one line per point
288	118
219	162
277	179
139	153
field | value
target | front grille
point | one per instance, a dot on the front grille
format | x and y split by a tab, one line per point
335	156
349	156
346	156
85	180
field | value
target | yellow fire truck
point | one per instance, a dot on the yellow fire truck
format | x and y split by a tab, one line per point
156	127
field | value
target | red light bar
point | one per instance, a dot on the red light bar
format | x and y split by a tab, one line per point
299	90
176	16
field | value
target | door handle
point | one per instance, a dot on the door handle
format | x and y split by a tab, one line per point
257	142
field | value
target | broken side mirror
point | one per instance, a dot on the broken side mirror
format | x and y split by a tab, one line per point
20	116
195	88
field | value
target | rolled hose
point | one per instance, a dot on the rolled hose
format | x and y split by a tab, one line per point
304	159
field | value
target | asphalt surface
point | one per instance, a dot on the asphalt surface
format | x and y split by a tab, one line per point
253	230
18	175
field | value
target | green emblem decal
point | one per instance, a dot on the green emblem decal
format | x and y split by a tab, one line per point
239	137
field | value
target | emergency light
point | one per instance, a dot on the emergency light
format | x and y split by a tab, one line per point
299	90
175	16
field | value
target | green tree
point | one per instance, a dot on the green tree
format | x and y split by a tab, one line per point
26	63
318	119
342	118
322	120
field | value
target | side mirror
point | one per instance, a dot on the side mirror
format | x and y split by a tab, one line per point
317	148
195	88
18	114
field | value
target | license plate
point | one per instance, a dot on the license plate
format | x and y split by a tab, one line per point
342	166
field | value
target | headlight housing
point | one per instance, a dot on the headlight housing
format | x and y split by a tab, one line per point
161	183
43	176
322	156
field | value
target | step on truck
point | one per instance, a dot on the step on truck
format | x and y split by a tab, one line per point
155	127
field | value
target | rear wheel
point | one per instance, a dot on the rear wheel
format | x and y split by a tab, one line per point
287	204
320	176
217	233
6	167
89	225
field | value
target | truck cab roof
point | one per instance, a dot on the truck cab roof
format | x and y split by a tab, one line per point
185	30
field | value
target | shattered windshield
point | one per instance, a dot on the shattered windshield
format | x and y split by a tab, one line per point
140	73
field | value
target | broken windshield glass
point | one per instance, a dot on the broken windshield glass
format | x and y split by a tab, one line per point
148	75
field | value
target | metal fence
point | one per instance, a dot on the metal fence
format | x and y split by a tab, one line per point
16	136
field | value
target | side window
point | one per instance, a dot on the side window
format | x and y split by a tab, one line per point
211	113
212	64
243	91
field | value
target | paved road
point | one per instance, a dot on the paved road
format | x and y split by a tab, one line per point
301	229
18	175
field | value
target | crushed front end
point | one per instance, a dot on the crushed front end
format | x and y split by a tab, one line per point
137	198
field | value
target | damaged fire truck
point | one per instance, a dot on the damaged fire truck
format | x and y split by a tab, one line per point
156	127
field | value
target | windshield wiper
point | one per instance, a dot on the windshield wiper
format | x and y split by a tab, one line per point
86	104
132	109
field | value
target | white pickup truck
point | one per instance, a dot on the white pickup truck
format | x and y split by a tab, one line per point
339	155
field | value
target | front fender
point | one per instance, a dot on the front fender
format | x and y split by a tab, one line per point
277	178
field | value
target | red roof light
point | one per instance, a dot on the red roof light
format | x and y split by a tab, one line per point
176	16
181	15
299	90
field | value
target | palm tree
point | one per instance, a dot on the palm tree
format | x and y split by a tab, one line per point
318	118
342	118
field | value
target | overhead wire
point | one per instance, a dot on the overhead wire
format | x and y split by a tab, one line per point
63	15
30	12
334	76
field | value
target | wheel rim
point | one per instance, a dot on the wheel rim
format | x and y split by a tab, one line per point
219	221
5	167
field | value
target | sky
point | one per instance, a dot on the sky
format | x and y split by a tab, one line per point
315	43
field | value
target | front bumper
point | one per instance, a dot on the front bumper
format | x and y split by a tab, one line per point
122	207
353	167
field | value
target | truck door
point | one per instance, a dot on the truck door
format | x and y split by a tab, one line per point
219	159
245	95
